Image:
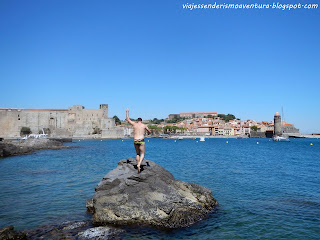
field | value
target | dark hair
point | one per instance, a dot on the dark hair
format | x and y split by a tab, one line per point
139	119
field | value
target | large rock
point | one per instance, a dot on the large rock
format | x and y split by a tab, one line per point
152	197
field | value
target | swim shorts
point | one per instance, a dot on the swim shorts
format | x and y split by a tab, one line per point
138	141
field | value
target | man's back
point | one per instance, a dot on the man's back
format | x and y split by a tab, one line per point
139	130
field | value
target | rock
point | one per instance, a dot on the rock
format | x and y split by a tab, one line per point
89	206
101	233
64	230
74	230
74	225
41	143
152	197
8	233
28	146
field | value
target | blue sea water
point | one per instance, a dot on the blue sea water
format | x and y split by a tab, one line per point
266	190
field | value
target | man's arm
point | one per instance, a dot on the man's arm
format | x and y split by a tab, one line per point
148	130
128	119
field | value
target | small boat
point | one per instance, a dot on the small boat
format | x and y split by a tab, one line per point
280	139
202	139
41	135
180	138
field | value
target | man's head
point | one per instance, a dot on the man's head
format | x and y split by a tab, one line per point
139	119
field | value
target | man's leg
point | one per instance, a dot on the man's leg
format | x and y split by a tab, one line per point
137	147
142	151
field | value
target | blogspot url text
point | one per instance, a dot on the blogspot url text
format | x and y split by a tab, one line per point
274	5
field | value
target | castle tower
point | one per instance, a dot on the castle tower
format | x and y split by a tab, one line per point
105	108
277	124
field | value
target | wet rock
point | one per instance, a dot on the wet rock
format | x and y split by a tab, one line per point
64	230
152	197
8	233
89	206
73	231
101	233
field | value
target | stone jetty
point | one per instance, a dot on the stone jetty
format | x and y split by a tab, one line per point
152	197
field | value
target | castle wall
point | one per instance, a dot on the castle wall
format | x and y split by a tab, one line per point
289	129
37	120
9	122
76	121
117	132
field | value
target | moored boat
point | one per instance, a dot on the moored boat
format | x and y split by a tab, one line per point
280	139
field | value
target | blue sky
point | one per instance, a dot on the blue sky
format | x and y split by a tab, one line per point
157	58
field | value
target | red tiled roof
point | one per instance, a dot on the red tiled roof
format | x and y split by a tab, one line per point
285	124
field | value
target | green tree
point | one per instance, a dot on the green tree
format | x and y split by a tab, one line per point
25	131
254	128
150	126
176	119
117	120
167	129
227	117
182	129
156	121
154	129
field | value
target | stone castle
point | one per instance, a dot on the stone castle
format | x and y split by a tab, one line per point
76	121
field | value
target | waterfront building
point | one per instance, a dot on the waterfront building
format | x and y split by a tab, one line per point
245	130
228	131
237	131
287	128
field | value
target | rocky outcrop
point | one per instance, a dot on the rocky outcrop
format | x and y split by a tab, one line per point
8	233
80	230
152	197
28	146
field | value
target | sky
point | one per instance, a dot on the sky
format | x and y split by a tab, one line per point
157	58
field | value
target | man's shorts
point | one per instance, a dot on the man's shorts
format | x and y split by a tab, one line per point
138	141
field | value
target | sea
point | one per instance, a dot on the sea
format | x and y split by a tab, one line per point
265	189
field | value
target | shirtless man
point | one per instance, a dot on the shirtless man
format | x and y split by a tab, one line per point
139	144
